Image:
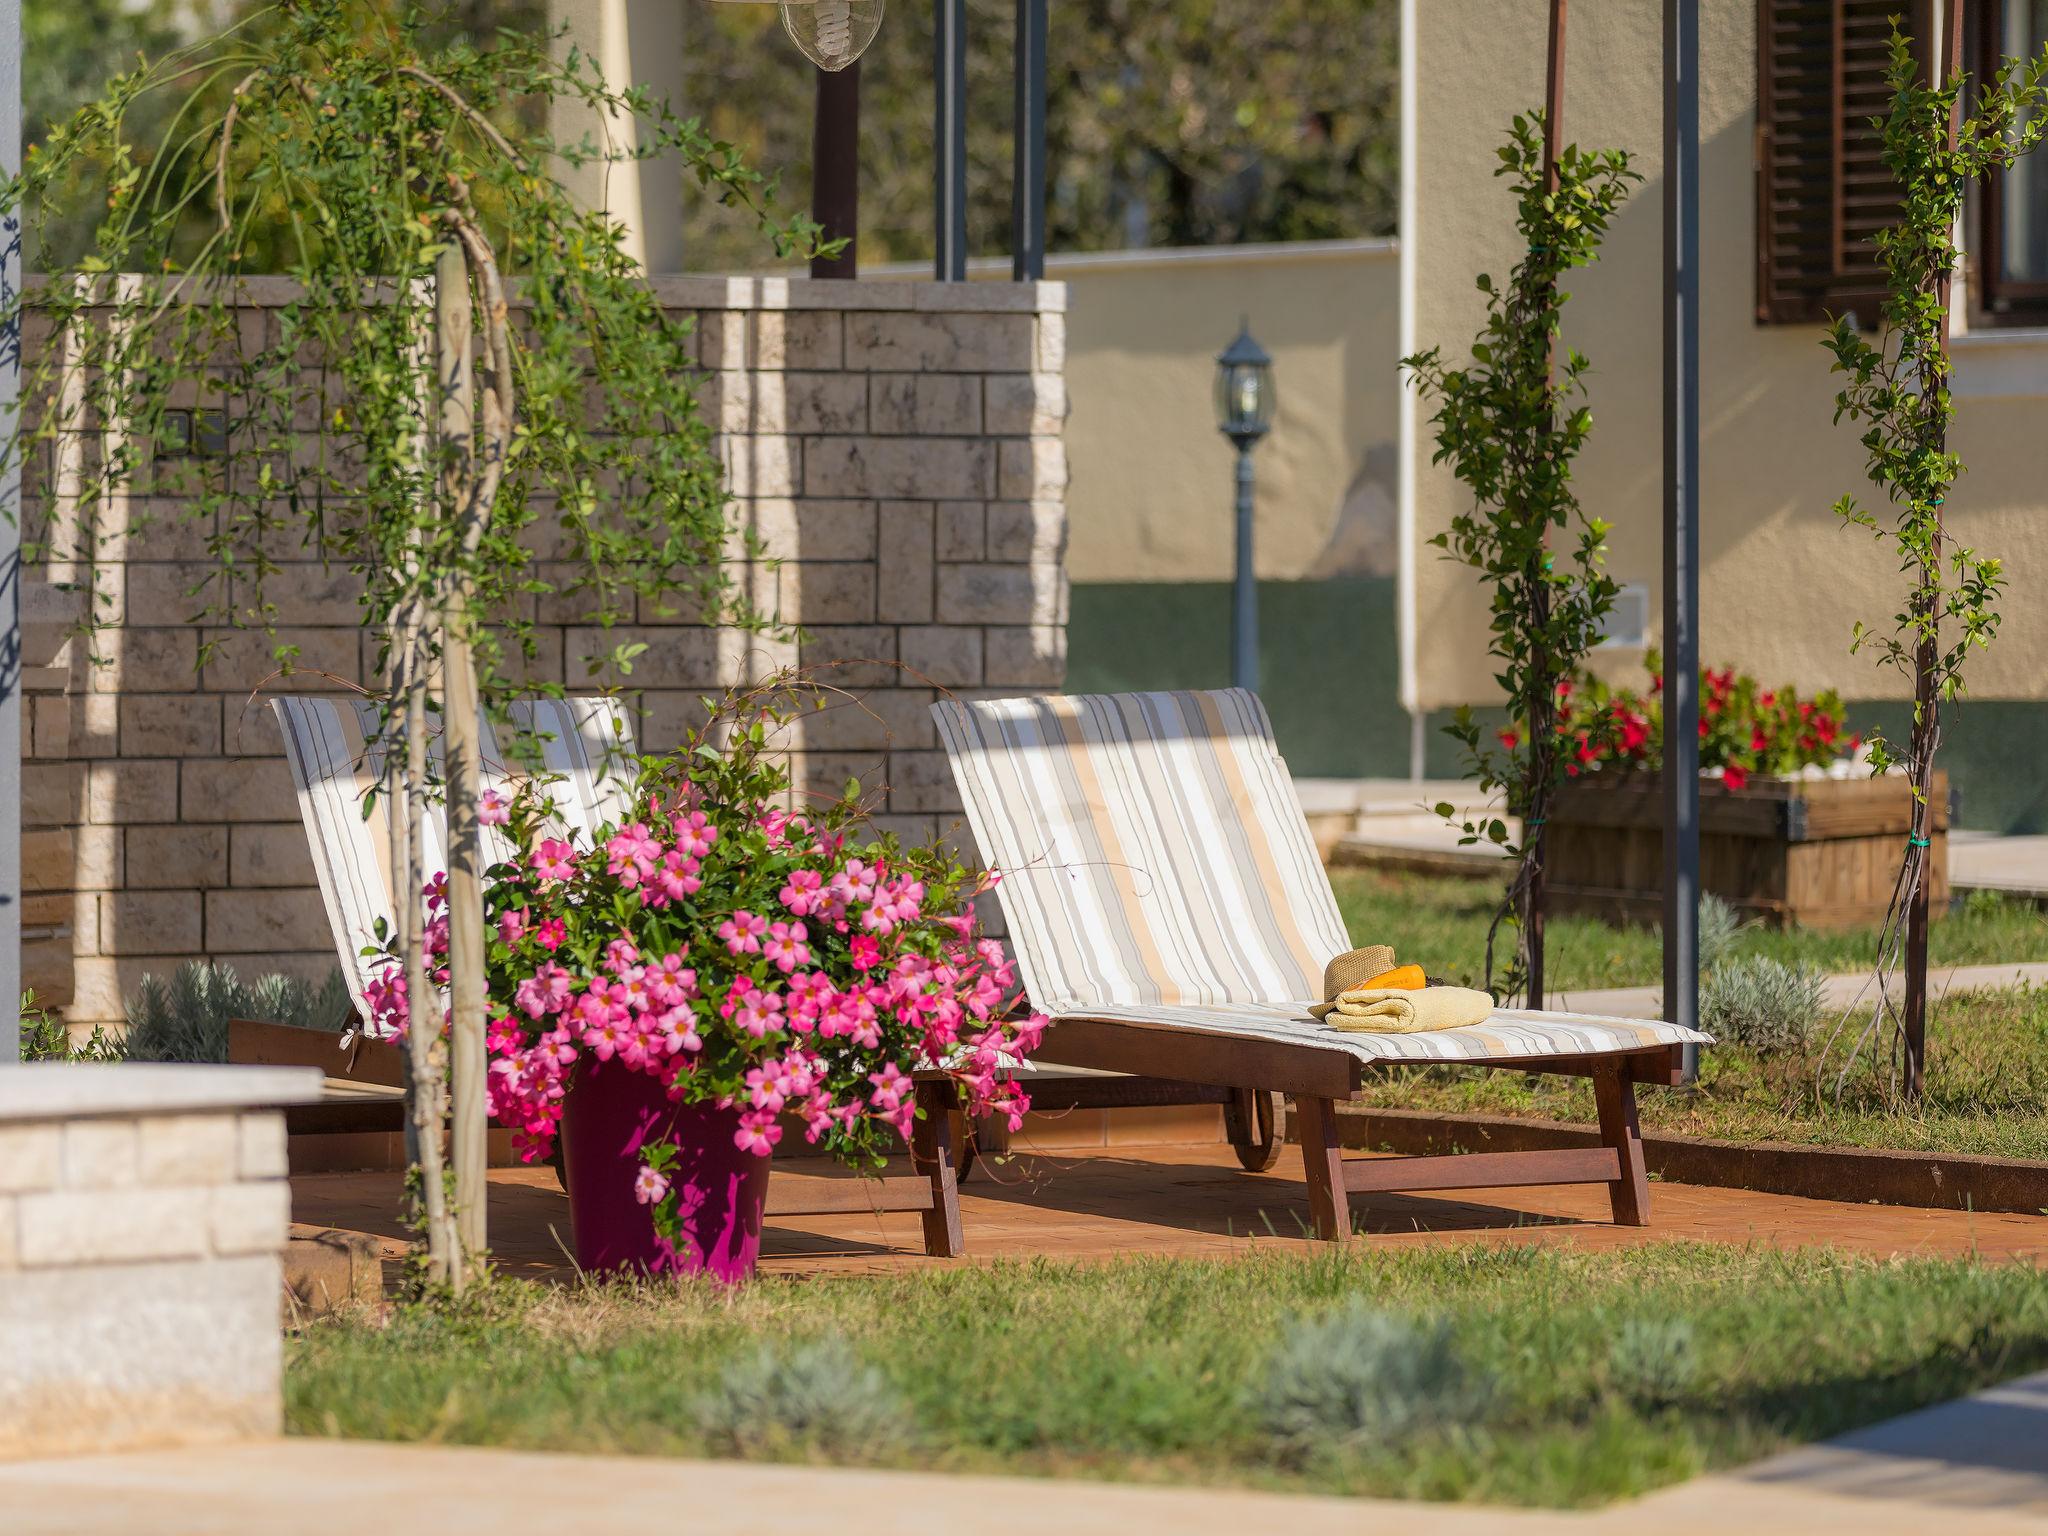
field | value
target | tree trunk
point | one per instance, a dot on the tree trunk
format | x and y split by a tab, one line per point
462	749
424	1044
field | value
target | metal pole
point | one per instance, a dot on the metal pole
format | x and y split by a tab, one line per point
10	558
1682	516
949	140
835	168
1244	600
1027	195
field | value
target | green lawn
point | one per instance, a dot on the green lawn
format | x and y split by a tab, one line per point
1440	922
1987	1069
1987	1089
1567	1381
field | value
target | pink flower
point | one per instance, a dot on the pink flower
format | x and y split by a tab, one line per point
867	953
553	859
649	1186
802	892
742	933
758	1133
493	809
695	834
546	991
512	926
632	852
786	948
676	878
891	1084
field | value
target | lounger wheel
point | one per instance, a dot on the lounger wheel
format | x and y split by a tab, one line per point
1255	1119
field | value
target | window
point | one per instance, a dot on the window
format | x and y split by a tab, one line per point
2009	262
1823	190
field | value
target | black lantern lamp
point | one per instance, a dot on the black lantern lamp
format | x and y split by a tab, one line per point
1244	414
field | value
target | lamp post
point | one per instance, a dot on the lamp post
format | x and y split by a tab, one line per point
1244	413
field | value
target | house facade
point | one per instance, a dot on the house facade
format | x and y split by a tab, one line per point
1791	191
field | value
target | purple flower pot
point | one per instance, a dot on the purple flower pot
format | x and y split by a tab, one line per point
611	1112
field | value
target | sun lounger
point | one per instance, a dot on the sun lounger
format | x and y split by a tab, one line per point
1169	912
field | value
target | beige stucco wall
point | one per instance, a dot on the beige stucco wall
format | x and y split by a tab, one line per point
1151	488
1782	581
1150	495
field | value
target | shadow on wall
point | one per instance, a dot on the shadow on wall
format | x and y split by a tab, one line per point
1327	656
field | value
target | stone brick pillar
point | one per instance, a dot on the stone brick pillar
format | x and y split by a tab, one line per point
143	1212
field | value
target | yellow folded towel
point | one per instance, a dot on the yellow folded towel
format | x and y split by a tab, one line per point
1404	1011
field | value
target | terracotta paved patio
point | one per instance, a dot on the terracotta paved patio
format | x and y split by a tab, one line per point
1193	1200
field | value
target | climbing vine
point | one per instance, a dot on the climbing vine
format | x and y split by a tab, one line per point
1511	424
1937	144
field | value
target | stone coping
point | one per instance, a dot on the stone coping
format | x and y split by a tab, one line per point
82	1090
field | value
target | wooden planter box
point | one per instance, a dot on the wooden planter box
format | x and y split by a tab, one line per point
1819	853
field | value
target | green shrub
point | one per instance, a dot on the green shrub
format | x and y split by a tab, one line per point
1719	928
1761	1004
1655	1361
44	1037
1359	1374
818	1398
187	1019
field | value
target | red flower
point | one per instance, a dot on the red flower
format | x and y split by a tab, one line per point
1768	699
1564	687
1757	741
1511	739
1735	775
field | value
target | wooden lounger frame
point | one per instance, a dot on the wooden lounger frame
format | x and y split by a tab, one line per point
353	1103
1319	1079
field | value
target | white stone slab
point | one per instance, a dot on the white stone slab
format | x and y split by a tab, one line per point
76	1090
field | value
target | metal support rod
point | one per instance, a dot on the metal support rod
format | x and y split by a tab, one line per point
10	562
1027	195
1682	516
949	140
835	168
1244	598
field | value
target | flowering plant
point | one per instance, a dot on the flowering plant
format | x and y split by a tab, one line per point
787	964
1744	727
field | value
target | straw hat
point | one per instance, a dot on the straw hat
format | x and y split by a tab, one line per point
1355	966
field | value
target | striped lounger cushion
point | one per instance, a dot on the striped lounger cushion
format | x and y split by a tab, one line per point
1156	870
335	759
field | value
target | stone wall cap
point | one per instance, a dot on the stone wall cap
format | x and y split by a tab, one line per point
71	1090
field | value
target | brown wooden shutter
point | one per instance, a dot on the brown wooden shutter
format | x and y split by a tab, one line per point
1823	191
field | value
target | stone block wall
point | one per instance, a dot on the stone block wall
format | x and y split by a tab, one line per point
143	1212
897	446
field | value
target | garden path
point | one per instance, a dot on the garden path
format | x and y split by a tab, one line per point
1194	1201
1969	1468
1839	993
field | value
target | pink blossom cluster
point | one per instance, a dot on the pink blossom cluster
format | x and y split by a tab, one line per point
763	965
